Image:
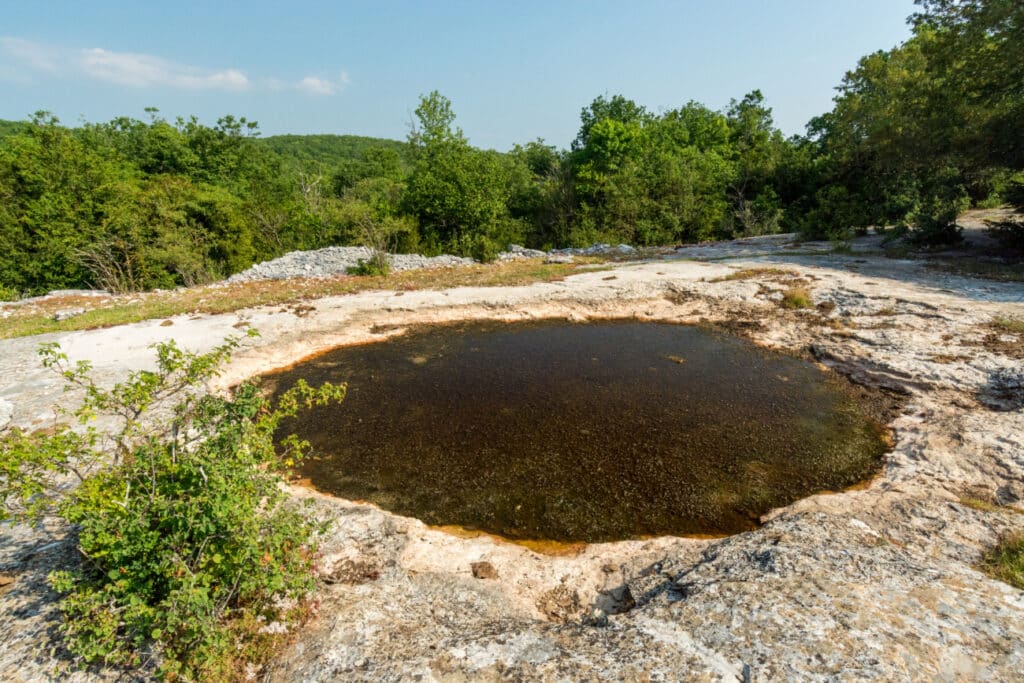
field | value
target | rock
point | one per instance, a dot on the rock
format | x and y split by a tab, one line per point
75	292
483	570
561	603
516	251
66	313
348	571
6	412
618	600
879	582
1004	390
335	261
559	258
596	617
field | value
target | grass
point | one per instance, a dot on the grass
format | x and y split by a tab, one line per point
225	298
796	297
1008	325
1006	561
979	504
750	273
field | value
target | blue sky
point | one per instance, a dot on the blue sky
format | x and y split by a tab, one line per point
514	70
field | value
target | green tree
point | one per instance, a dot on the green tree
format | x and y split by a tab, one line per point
458	194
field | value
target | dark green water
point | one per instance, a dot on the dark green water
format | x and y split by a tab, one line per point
581	432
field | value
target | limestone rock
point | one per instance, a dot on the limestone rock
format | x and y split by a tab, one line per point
66	313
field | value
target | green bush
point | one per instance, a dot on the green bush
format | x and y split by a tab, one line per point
377	264
483	248
190	547
941	199
1013	192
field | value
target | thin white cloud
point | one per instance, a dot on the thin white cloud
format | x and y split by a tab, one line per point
20	59
146	71
36	56
314	85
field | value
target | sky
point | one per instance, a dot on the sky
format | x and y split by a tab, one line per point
515	70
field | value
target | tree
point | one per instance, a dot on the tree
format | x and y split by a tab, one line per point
458	194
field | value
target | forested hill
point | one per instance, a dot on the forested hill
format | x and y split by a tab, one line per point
916	135
11	127
329	150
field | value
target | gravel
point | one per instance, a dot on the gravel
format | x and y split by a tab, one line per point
333	261
336	261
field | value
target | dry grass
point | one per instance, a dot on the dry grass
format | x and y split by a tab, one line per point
979	504
796	297
751	273
224	298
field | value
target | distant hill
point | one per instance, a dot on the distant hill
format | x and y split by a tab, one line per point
10	127
330	150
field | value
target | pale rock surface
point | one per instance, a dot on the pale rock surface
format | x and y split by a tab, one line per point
876	583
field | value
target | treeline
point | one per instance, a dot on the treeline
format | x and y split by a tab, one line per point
917	134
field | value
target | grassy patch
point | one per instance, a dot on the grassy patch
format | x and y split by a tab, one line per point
1006	561
979	504
796	297
751	273
224	298
1008	325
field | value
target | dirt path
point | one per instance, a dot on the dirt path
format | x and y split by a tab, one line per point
876	583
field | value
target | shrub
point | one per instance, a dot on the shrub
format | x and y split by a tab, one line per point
189	543
934	217
484	249
377	264
1013	192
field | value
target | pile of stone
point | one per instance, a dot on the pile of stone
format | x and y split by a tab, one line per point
333	261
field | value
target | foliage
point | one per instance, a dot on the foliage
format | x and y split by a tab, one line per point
189	546
375	265
917	133
330	151
1006	561
920	131
458	194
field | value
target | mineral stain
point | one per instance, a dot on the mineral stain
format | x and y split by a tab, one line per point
581	432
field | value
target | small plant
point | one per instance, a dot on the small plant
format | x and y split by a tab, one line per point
377	264
190	548
796	297
483	249
1006	561
1008	325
